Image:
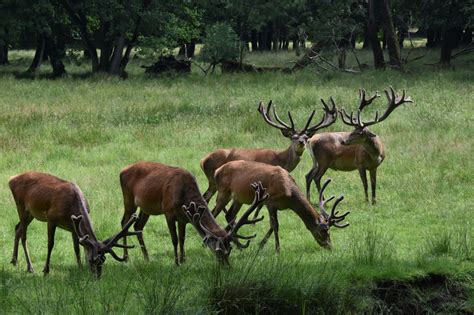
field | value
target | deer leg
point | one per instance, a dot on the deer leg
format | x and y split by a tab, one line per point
211	190
363	177
182	237
232	213
51	232
77	249
139	226
15	244
130	208
275	227
223	199
309	177
270	231
319	174
373	183
24	226
174	237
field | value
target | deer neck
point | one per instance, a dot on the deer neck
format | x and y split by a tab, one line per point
289	158
303	208
374	148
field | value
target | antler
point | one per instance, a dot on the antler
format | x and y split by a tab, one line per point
394	100
194	215
282	125
333	218
83	237
112	241
330	116
260	197
363	102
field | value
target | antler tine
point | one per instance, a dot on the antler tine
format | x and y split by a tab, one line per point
348	120
195	218
393	101
265	114
281	121
364	102
260	197
329	117
111	242
83	238
308	121
323	202
291	121
334	219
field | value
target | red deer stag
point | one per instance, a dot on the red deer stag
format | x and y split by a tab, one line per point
357	150
233	180
288	159
161	189
61	204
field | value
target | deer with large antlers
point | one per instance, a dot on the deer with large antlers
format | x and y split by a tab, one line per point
233	181
61	204
359	150
288	159
161	189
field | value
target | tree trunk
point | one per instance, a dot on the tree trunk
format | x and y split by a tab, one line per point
38	58
390	36
341	60
3	53
117	55
275	36
366	43
54	53
447	45
254	40
379	61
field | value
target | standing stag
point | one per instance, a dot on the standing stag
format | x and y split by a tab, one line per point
288	159
359	150
233	180
61	204
161	189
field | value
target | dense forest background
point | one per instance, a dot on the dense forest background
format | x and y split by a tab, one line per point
109	32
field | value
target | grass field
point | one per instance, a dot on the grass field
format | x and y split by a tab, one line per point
412	252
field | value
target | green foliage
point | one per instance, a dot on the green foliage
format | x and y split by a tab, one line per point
220	43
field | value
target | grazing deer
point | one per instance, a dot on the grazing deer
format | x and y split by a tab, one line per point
288	159
357	150
61	204
233	181
161	189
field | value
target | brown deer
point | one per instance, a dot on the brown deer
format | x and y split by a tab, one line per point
288	159
233	181
359	150
161	189
61	204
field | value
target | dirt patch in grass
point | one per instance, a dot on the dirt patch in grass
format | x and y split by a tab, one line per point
433	293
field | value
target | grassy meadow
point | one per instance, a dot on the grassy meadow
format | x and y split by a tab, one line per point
412	252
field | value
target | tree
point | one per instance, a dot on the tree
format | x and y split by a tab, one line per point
221	43
390	35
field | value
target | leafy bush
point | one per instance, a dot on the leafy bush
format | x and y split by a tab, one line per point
220	43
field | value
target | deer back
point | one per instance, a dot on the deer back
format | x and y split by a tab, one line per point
48	198
161	189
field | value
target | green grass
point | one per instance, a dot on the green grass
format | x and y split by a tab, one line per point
86	129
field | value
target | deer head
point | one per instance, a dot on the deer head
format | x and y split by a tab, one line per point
221	245
321	230
96	250
299	138
361	134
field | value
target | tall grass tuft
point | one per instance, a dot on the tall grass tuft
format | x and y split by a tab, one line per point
372	247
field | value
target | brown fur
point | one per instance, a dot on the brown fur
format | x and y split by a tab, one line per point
161	189
233	181
328	151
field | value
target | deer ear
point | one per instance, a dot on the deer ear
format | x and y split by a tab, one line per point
286	133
